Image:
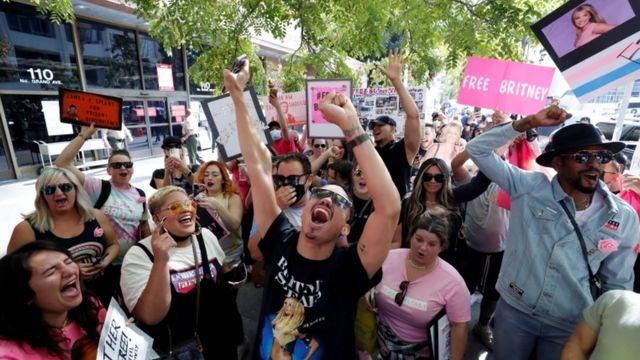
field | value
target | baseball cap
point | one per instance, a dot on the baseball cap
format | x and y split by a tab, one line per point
382	120
171	140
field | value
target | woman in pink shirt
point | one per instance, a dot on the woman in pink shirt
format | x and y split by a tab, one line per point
416	285
588	23
43	309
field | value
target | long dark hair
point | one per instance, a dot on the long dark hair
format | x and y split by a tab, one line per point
417	203
21	320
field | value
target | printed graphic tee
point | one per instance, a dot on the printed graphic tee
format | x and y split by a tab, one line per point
308	306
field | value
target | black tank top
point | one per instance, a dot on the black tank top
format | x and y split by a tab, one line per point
84	248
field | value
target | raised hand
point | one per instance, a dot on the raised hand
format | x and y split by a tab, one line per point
88	131
273	94
236	83
549	116
338	109
394	68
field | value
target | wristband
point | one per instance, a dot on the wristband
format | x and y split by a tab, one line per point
358	140
82	136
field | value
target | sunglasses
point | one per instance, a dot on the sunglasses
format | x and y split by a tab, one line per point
177	207
336	198
120	165
439	178
281	180
399	299
317	146
50	189
357	171
584	156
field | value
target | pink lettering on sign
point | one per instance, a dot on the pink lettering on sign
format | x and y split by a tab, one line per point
317	94
505	85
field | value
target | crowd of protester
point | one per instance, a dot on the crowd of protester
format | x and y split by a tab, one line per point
360	244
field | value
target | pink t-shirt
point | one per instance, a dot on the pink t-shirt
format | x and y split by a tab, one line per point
11	350
282	147
426	296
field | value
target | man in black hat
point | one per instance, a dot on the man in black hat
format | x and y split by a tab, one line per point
398	155
544	282
176	171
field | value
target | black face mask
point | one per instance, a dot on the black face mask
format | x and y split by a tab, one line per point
300	191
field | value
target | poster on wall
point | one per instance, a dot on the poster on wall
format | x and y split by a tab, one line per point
293	105
165	77
505	85
222	116
316	90
596	44
83	108
51	111
373	102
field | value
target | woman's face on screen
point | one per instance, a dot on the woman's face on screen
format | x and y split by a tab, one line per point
581	18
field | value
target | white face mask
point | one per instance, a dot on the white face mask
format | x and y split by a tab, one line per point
276	134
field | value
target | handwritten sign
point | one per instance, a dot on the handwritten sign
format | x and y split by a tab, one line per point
121	340
594	57
222	117
293	105
505	85
317	125
83	108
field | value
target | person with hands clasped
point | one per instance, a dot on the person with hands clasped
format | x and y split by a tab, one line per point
306	264
172	282
569	238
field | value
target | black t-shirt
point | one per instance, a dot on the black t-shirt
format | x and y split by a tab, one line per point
360	213
309	305
394	157
179	182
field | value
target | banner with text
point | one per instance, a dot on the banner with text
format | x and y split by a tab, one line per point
505	85
120	339
293	105
83	108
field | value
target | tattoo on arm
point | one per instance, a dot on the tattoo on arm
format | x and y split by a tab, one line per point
352	131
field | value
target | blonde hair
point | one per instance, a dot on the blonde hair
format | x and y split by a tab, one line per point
591	10
285	326
41	218
159	197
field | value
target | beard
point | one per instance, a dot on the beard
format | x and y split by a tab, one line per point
577	184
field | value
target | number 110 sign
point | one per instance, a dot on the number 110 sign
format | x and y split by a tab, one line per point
41	76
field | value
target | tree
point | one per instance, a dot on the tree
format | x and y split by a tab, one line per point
435	34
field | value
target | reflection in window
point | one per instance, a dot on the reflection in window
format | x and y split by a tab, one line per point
35	54
109	55
27	124
155	65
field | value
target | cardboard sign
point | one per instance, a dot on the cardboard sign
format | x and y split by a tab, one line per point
316	90
293	105
221	115
597	54
505	85
83	108
374	102
121	340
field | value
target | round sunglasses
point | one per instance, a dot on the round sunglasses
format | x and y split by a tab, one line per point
584	156
177	207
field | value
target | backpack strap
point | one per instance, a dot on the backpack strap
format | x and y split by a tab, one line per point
105	191
145	249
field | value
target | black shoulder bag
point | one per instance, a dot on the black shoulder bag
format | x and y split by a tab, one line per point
594	281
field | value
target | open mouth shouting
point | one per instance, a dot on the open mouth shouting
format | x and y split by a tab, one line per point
321	214
186	219
71	288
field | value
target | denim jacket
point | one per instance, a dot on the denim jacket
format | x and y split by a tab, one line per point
543	272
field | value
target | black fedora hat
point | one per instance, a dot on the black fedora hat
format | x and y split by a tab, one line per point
574	137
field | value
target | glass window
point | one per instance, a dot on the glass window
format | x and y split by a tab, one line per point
31	119
35	54
203	88
161	71
109	56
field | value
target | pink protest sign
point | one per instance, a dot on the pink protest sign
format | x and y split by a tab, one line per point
505	85
293	105
316	90
317	94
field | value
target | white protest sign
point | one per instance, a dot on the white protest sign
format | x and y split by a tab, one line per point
374	102
222	114
50	109
121	340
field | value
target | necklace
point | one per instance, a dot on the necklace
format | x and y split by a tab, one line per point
584	205
64	325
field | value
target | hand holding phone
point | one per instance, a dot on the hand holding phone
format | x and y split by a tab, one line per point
175	153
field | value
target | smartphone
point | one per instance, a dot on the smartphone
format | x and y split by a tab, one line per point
175	153
198	188
237	66
242	171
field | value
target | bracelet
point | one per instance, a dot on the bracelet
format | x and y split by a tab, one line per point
82	136
358	140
